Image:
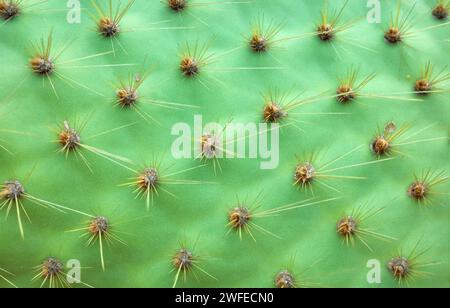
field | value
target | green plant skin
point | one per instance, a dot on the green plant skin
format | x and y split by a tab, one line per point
201	212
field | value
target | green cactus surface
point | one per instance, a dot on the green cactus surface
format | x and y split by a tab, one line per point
358	91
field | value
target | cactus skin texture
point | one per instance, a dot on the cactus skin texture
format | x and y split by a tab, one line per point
197	219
